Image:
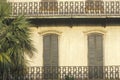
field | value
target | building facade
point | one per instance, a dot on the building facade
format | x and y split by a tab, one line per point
74	44
73	33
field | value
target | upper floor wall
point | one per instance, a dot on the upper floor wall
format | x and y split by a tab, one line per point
66	9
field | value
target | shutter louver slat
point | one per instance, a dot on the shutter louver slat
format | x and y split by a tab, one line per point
95	55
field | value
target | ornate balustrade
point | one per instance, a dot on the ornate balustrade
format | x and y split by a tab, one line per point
62	9
63	73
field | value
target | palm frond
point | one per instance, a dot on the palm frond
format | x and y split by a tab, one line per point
4	58
4	9
15	41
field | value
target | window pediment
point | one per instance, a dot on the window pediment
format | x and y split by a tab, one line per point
50	32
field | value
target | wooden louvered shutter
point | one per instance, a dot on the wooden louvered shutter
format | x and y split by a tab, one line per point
95	55
50	56
99	50
95	50
50	50
54	50
46	50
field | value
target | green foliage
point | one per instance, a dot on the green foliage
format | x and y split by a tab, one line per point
15	40
69	77
4	9
4	12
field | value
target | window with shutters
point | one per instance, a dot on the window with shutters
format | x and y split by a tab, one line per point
50	56
95	55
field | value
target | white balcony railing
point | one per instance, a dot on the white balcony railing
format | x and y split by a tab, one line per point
62	9
62	73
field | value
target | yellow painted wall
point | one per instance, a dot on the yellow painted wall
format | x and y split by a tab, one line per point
73	44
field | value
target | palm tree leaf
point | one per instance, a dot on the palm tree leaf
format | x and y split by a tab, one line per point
15	41
4	58
4	9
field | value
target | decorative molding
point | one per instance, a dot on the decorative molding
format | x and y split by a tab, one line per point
95	31
50	32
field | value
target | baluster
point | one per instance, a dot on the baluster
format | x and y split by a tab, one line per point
38	73
25	11
66	7
61	7
36	7
116	72
77	7
55	7
15	9
30	8
112	5
82	7
111	72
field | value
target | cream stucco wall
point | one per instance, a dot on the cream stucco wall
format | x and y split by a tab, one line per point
73	44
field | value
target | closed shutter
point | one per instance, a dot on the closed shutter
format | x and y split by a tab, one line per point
99	50
46	51
95	55
54	50
50	50
50	56
91	50
95	50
